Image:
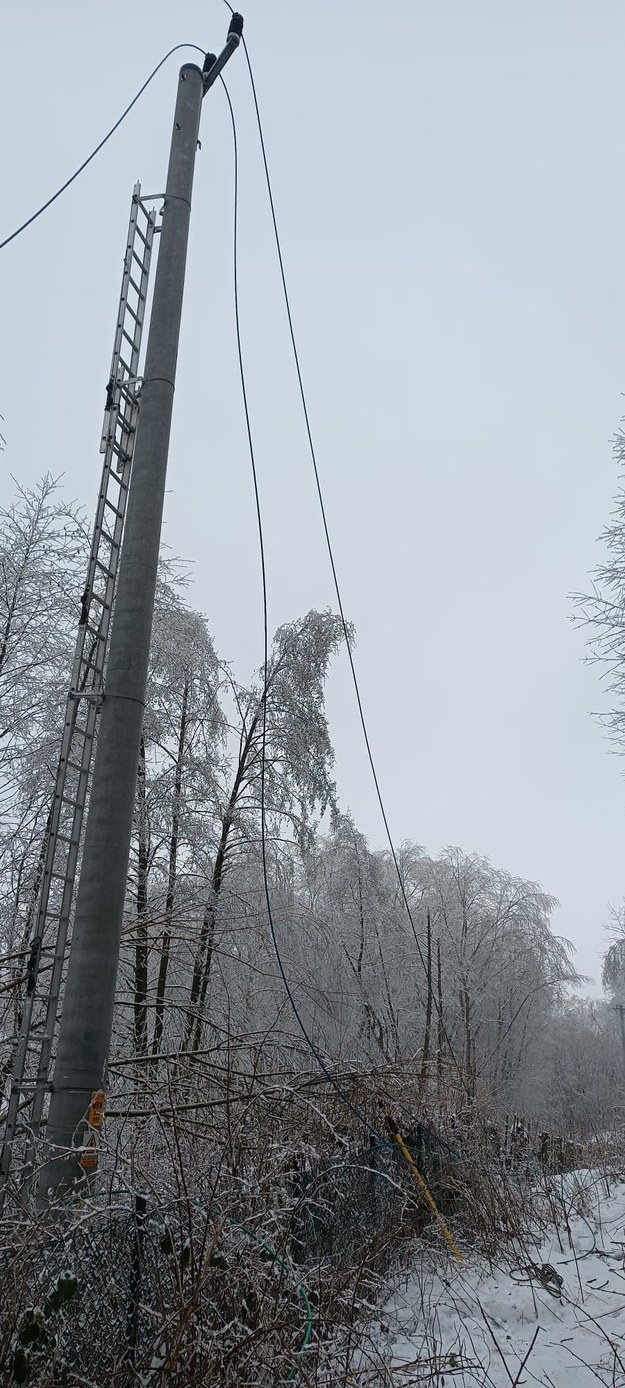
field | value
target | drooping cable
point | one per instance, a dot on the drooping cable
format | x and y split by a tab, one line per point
311	1045
353	1108
337	589
98	147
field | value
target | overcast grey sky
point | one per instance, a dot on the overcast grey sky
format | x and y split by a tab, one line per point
449	185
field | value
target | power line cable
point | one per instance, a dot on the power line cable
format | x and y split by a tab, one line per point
353	1108
392	1145
98	147
313	456
356	1112
362	1119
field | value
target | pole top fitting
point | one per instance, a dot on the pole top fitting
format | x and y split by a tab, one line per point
212	65
235	31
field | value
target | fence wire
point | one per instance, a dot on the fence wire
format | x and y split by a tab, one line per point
180	1293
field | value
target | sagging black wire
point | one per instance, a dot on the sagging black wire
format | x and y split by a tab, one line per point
97	149
361	1117
327	1073
337	589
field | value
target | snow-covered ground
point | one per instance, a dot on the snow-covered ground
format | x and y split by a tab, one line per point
513	1323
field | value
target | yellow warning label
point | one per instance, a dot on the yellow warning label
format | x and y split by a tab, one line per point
89	1157
96	1108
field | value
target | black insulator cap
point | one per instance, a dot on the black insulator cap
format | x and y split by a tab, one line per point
208	62
236	25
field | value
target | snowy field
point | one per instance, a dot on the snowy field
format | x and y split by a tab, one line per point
514	1322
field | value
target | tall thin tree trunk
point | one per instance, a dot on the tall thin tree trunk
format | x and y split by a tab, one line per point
361	944
389	998
204	954
141	947
469	1048
441	1028
428	1009
19	969
171	877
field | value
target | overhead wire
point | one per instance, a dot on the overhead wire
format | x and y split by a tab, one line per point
261	542
326	530
397	1144
345	626
98	147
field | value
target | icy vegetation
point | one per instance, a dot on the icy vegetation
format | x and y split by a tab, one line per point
376	1140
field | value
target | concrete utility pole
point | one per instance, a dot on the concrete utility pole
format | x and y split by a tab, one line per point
86	1020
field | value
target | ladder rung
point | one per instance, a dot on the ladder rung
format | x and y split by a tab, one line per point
94	661
74	767
129	338
113	508
139	233
115	499
124	426
123	443
95	633
122	435
127	417
135	286
66	838
98	598
140	259
123	486
134	315
103	568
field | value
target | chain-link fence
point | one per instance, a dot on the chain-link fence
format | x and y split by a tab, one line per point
173	1293
342	1205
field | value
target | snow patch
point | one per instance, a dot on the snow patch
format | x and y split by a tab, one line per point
485	1326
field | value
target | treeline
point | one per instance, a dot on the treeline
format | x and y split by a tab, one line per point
448	964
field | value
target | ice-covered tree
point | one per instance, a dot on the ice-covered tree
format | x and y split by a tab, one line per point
602	609
43	550
177	786
280	725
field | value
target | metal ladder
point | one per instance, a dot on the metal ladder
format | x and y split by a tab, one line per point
30	1082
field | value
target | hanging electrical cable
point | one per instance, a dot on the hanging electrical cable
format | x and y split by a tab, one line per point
348	640
261	541
397	1144
98	147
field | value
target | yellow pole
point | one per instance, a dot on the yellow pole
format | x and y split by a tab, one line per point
397	1137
